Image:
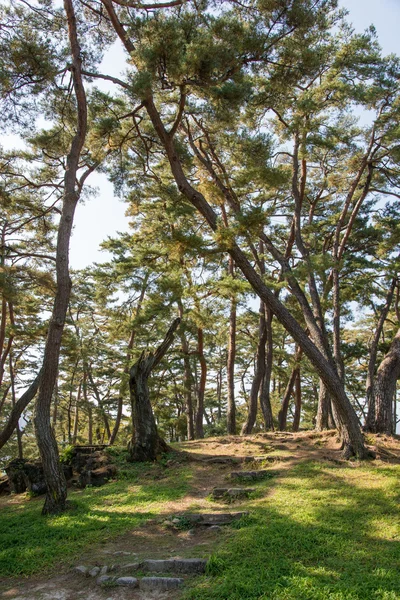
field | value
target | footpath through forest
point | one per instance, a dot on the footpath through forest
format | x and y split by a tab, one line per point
265	516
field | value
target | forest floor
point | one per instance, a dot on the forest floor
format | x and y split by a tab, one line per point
318	528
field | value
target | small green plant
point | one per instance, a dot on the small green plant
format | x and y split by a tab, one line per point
67	454
215	565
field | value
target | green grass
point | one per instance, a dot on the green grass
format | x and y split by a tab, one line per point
31	543
326	533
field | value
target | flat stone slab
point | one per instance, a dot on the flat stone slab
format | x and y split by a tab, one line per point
210	519
160	583
223	460
252	475
231	493
126	581
175	565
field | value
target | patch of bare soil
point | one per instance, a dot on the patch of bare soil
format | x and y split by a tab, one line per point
280	450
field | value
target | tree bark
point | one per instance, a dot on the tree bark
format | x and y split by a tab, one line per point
230	367
385	388
324	400
282	416
297	398
146	444
370	421
56	496
265	397
259	372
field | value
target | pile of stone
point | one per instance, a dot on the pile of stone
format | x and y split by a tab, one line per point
87	465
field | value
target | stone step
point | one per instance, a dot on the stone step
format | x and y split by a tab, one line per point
175	565
144	583
209	519
231	493
252	475
161	584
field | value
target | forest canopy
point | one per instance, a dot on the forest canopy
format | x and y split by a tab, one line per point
256	146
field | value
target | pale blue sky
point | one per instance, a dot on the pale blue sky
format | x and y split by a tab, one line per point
103	215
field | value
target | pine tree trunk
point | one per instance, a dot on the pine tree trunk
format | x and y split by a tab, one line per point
322	421
282	416
369	384
18	409
146	444
385	388
230	367
56	496
297	396
202	385
259	372
265	397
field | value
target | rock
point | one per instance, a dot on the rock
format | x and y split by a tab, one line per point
25	475
252	475
97	477
215	528
94	572
160	583
104	570
122	553
130	566
104	579
191	532
206	520
81	569
231	493
175	565
127	581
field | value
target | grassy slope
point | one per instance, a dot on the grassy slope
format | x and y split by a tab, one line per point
324	533
319	531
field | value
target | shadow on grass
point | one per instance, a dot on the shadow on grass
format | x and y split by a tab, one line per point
325	534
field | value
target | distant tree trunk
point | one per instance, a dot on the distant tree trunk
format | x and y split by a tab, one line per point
324	401
187	377
265	398
259	372
102	411
282	416
297	397
385	388
230	367
124	385
370	421
146	444
76	415
13	400
56	496
89	409
202	385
